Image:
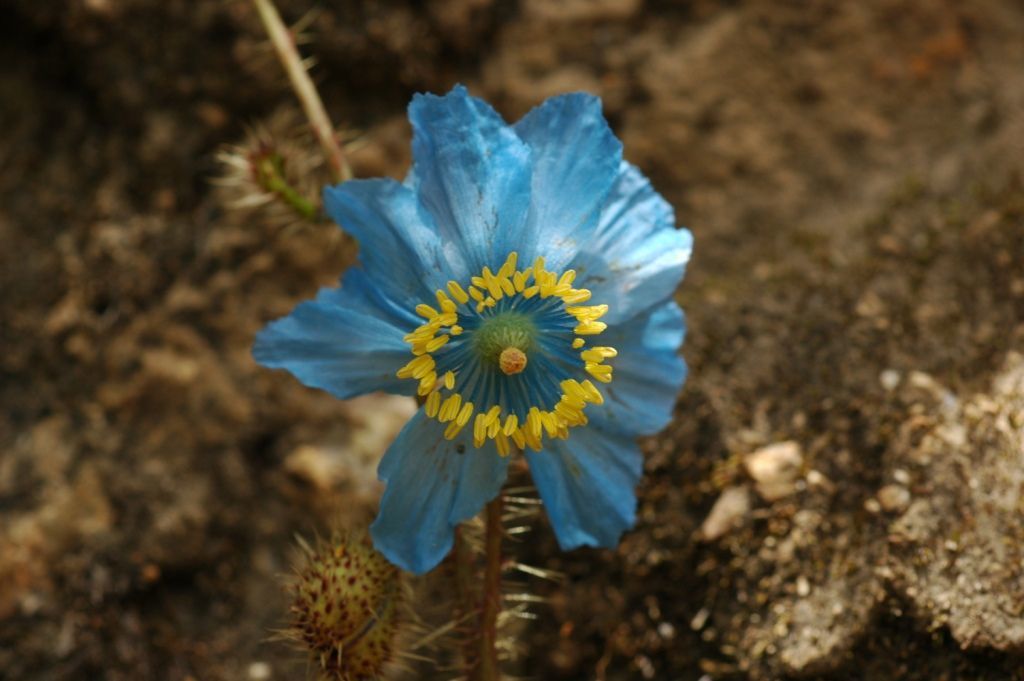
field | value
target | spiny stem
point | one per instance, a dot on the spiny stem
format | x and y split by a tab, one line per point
304	89
466	597
487	669
480	600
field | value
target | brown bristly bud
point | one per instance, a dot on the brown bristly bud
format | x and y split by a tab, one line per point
277	167
348	607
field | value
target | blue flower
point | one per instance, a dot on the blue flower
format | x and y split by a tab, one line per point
508	277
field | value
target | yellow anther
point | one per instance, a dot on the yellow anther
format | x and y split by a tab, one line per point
577	295
587	312
449	379
533	421
593	394
456	330
519	281
550	422
531	291
589	328
598	354
510	265
464	414
578	343
436	343
425	310
512	361
433	403
453	429
479	429
501	440
601	372
511	424
427	384
493	428
417	368
518	438
492	415
458	293
476	293
506	286
492	284
567	278
450	408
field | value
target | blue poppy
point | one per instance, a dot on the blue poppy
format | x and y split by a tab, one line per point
514	273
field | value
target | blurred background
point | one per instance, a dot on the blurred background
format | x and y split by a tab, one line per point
839	496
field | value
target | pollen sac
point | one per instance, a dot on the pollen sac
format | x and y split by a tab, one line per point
512	361
347	610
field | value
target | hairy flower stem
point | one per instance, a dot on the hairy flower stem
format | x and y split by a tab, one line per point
304	89
481	603
487	669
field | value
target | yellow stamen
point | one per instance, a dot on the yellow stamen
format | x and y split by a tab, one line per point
577	295
425	310
433	402
452	430
427	384
450	408
465	414
436	343
589	328
458	293
479	429
441	327
593	394
601	372
501	440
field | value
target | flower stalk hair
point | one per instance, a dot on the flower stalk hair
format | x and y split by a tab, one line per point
305	90
520	281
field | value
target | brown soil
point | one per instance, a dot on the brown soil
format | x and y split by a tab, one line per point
851	172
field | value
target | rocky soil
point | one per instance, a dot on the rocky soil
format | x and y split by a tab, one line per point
840	495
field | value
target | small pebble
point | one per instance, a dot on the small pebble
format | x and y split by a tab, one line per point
894	498
730	509
890	379
775	468
259	671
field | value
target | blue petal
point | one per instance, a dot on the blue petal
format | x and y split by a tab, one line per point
648	373
588	486
576	159
399	245
432	486
636	257
346	341
472	172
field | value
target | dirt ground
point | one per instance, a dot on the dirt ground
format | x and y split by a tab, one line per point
840	494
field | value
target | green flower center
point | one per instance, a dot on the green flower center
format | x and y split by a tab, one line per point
498	337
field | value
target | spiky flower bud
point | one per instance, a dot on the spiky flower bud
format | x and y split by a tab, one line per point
347	610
